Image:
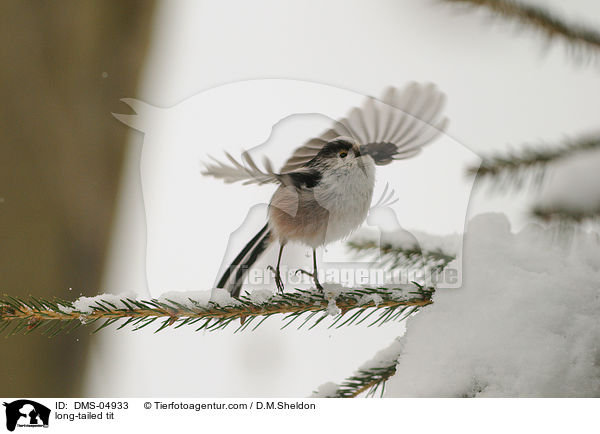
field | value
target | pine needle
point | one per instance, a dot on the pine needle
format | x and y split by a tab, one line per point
580	39
394	257
530	162
368	380
52	317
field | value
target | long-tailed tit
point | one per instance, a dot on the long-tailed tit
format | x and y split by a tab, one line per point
325	188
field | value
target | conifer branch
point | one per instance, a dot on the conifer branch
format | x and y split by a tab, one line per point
365	380
370	378
402	256
373	377
579	37
565	215
530	162
378	305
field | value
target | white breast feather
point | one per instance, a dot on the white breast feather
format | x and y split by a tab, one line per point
347	196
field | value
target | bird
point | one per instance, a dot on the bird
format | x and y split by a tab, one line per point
324	190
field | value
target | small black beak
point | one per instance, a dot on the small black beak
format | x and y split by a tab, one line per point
361	164
359	159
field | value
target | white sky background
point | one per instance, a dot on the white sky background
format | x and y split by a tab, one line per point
503	89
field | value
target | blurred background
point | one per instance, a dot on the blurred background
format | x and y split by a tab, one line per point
64	67
73	218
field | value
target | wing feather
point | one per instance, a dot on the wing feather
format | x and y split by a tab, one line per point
393	128
249	173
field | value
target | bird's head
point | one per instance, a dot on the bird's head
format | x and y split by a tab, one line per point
338	154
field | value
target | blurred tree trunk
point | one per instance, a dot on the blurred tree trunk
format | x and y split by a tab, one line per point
65	65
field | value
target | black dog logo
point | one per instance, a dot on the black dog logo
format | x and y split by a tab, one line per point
30	410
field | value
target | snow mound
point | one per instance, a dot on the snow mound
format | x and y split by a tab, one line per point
525	323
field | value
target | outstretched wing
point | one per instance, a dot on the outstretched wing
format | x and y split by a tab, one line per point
248	172
393	128
398	126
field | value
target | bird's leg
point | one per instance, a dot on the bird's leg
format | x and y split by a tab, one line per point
314	274
278	281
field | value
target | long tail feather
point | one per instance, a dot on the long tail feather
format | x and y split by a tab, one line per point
233	276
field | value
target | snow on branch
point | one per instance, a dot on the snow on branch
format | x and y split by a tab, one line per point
215	310
369	378
578	37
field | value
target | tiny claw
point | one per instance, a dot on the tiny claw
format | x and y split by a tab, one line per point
278	281
300	270
313	275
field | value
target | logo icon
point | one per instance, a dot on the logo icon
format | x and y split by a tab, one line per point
26	413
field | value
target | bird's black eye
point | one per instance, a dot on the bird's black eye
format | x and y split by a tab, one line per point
343	154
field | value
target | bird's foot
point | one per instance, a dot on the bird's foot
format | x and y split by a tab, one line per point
313	275
278	280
